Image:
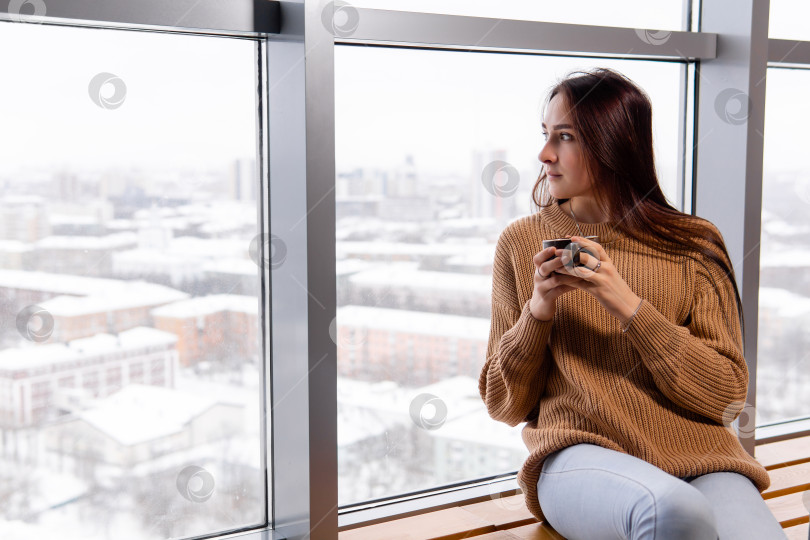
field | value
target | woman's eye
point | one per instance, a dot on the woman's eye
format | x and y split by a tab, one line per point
566	136
545	136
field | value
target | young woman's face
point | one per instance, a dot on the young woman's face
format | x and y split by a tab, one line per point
562	155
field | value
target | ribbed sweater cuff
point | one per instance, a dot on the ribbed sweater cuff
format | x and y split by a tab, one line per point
529	334
656	338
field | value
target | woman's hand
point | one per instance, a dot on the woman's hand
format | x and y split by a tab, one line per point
548	283
606	285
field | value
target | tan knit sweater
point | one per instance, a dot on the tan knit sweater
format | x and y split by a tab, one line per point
664	391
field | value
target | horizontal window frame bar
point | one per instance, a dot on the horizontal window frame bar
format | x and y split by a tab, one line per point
550	54
788	52
460	32
432	501
247	17
782	431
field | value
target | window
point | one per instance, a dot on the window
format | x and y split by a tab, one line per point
417	227
784	295
785	20
127	210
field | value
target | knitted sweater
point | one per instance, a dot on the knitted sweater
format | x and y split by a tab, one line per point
665	391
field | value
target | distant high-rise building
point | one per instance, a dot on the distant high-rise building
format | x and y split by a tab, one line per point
244	179
23	218
406	180
66	186
493	192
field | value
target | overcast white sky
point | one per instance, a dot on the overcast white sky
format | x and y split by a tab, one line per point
189	99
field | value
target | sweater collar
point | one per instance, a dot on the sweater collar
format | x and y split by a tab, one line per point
564	226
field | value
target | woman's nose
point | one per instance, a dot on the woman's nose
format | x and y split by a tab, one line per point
546	155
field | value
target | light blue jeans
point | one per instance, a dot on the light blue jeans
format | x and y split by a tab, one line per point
588	492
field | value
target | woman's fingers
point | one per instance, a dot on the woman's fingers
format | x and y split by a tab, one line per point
542	257
595	247
588	261
556	279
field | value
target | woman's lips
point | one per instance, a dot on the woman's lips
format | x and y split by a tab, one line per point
553	176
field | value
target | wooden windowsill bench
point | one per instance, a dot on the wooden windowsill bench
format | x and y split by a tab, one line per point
507	518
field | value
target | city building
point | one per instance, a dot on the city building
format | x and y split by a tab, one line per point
40	382
411	348
404	286
136	426
221	328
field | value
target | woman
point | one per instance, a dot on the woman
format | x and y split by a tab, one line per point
627	366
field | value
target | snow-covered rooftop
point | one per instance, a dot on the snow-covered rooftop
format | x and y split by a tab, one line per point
83	295
204	305
407	276
210	248
53	354
73	219
109	241
21	199
400	248
241	267
14	246
56	283
133	295
351	266
140	413
152	258
414	322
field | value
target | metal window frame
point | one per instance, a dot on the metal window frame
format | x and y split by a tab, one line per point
246	17
300	211
736	74
788	53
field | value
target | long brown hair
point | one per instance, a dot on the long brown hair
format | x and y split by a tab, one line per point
613	118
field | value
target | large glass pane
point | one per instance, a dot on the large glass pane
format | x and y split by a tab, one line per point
667	15
788	19
416	234
783	360
130	360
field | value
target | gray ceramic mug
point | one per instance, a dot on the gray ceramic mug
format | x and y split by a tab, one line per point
576	249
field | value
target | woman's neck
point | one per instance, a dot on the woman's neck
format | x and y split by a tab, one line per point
585	210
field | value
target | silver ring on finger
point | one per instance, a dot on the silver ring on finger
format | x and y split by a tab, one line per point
596	268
